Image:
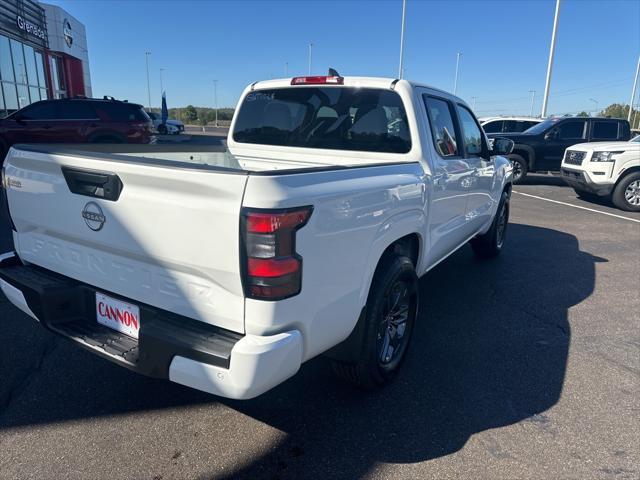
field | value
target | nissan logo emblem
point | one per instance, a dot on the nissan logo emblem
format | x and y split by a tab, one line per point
93	216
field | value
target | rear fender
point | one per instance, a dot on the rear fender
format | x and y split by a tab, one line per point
393	229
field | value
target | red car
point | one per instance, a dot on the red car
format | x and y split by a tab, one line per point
76	120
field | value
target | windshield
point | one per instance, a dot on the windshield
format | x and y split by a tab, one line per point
542	126
343	118
635	139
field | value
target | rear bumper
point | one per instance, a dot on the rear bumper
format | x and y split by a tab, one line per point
169	346
579	180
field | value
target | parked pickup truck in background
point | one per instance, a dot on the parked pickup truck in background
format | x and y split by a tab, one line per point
226	271
606	169
541	147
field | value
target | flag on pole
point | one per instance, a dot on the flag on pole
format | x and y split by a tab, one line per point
165	111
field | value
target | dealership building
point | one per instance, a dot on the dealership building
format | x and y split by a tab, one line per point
43	54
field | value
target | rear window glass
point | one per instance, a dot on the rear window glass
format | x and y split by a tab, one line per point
340	118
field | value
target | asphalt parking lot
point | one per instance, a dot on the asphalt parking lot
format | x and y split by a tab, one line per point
526	366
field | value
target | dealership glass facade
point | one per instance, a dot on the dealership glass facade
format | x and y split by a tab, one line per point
22	75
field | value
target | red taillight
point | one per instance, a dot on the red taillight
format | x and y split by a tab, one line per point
272	270
317	80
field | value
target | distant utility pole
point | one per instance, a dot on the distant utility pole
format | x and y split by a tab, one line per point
473	103
310	56
533	97
455	80
550	64
404	10
596	102
146	57
215	98
633	90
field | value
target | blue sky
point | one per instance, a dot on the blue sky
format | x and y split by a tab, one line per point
504	47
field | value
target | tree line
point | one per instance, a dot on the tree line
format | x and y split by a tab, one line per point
617	110
205	115
191	115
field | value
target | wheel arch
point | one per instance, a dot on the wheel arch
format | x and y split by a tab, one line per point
624	173
410	245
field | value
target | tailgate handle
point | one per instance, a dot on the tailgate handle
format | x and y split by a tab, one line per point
91	183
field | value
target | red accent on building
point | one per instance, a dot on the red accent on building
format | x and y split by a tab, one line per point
73	75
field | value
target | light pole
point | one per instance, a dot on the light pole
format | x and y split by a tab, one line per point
404	10
161	87
596	102
533	97
310	56
633	90
146	57
455	81
215	98
550	64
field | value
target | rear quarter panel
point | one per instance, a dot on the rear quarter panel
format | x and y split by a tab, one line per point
357	213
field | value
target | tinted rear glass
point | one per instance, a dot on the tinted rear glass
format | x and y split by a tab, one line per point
605	130
341	118
493	127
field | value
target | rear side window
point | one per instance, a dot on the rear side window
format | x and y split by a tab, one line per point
571	130
340	118
493	127
76	111
442	126
121	112
605	131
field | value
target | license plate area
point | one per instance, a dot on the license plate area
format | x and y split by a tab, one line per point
120	316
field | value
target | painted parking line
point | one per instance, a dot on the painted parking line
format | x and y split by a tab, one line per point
578	206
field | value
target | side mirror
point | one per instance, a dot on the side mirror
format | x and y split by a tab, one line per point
502	146
550	135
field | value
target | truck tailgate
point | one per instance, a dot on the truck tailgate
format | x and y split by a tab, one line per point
156	233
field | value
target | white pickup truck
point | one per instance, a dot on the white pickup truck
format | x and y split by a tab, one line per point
606	169
226	271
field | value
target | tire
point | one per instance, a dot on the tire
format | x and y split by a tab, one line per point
520	167
3	152
626	195
490	244
162	129
377	362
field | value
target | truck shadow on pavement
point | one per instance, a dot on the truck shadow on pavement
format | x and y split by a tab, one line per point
490	349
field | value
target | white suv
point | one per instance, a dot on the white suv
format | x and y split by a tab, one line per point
607	169
508	124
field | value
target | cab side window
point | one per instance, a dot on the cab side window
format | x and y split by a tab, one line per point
470	132
571	130
493	127
605	131
442	126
